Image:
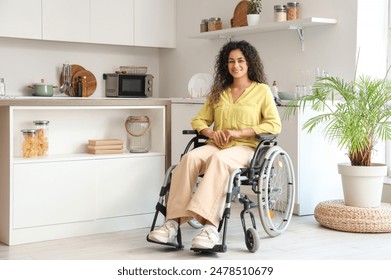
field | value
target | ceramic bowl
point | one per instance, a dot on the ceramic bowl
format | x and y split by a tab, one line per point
286	95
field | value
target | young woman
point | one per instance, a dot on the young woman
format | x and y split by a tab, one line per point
239	106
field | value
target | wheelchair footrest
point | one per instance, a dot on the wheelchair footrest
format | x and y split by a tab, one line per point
167	244
216	249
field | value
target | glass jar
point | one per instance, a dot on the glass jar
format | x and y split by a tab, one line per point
139	134
292	10
42	130
2	87
214	24
204	25
279	13
29	143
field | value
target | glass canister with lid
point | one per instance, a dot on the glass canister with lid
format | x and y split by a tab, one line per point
214	24
204	25
292	9
42	131
139	134
279	13
29	143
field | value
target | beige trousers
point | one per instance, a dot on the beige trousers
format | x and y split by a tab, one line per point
207	203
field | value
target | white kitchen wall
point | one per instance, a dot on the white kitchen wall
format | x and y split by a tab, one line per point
331	48
23	62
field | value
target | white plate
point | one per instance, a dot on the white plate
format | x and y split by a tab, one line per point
199	85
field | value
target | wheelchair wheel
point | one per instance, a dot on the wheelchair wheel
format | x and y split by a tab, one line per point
276	191
252	240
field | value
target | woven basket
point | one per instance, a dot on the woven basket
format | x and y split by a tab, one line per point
336	215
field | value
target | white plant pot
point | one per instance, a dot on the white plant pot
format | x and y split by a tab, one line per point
253	19
362	185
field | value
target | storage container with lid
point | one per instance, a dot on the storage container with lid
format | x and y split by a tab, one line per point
204	25
42	130
279	13
214	24
29	143
292	10
139	134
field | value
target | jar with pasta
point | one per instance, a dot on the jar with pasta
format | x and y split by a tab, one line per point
29	143
42	128
293	11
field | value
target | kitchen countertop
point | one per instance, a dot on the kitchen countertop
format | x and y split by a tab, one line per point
77	101
179	100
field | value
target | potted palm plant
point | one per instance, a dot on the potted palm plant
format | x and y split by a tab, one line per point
357	116
254	9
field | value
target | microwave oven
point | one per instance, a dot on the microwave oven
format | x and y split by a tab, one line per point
128	85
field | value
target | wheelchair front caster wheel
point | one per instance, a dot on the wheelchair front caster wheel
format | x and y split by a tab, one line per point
252	240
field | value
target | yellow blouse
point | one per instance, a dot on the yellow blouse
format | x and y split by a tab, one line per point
255	109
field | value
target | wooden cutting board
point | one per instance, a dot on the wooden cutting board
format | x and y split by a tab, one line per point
74	68
240	14
91	81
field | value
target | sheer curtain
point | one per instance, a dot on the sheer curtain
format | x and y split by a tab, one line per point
388	143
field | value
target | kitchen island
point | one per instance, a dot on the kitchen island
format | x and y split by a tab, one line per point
70	192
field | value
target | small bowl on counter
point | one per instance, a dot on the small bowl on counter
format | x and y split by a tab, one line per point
286	95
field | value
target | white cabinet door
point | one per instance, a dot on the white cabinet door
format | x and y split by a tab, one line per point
53	193
66	20
112	22
155	23
181	115
20	19
314	159
128	186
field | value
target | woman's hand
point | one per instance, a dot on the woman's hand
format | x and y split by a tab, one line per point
220	138
223	137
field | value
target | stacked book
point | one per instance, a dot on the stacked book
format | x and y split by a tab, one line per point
105	146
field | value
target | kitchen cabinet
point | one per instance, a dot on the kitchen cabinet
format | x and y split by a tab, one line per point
66	20
113	22
182	111
48	193
314	160
155	23
135	193
20	19
70	192
143	23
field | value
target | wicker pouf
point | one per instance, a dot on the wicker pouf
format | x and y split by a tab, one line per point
336	215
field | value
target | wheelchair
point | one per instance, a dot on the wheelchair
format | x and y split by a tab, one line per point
270	176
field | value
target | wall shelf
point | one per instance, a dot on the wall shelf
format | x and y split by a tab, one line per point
299	25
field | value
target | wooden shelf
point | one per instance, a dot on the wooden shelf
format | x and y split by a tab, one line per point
297	25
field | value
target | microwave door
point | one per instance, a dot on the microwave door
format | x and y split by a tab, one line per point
132	86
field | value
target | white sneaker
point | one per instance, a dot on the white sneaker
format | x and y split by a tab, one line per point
167	233
207	238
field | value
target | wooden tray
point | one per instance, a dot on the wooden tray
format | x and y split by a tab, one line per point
240	14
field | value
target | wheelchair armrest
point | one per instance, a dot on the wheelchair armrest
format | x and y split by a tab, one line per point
189	132
266	136
262	136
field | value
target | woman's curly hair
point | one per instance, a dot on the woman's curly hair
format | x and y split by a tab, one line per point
222	77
